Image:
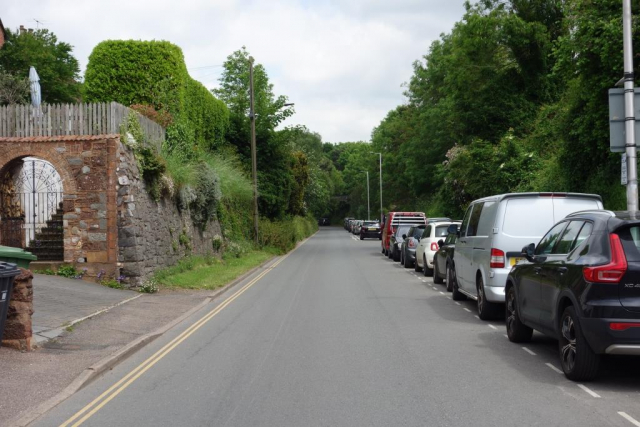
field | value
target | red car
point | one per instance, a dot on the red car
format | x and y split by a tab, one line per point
393	220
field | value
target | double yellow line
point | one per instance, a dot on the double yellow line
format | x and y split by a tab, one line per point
93	407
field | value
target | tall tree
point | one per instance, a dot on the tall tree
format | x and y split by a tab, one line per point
57	67
275	179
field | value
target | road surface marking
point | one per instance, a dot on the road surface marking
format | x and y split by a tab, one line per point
466	309
528	351
457	303
442	293
434	288
506	336
492	327
588	390
128	379
629	418
554	368
475	315
449	297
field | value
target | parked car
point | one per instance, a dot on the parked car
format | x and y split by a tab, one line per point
409	245
351	224
370	229
443	260
346	223
581	286
491	237
324	221
429	245
395	241
391	223
356	227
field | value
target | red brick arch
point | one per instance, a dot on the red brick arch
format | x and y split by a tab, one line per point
9	153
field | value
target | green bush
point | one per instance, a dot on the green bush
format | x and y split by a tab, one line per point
284	234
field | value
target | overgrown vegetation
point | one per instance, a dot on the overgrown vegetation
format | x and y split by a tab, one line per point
514	98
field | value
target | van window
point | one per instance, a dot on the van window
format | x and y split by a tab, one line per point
465	222
549	240
528	216
474	220
565	243
563	206
486	219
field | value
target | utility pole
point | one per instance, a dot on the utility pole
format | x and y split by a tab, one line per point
254	162
629	119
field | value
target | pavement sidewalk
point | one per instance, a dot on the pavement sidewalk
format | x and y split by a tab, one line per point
59	303
77	325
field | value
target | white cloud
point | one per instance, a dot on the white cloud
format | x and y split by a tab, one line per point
341	62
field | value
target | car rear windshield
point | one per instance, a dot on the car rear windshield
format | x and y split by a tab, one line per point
441	231
631	242
370	223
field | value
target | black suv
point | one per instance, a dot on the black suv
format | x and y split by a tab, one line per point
580	285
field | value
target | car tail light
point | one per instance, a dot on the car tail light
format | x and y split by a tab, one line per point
434	246
497	258
412	243
612	272
623	326
364	228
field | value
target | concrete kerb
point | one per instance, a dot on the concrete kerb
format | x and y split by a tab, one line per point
109	362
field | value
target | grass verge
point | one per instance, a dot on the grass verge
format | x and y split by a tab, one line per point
209	272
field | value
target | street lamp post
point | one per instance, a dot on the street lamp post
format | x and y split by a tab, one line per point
368	205
632	173
380	157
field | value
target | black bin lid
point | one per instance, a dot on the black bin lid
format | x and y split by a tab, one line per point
8	269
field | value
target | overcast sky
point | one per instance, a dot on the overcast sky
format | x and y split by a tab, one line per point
341	62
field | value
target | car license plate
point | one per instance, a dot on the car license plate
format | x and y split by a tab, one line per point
514	261
373	229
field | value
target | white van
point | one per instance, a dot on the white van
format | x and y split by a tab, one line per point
494	231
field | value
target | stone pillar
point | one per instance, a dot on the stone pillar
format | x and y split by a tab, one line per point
17	329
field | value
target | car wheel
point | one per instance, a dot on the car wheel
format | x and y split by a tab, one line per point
436	274
578	360
486	309
407	261
362	237
383	249
401	258
396	255
456	294
425	269
516	330
416	267
389	253
449	273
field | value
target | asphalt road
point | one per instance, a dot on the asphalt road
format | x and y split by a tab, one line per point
337	335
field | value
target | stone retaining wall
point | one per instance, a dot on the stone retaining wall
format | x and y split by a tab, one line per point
152	234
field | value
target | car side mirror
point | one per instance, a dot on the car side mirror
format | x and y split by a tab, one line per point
440	243
529	251
404	236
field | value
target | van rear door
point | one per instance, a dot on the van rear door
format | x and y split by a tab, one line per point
565	205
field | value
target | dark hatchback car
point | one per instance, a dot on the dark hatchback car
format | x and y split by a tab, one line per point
443	260
370	229
409	245
580	285
395	241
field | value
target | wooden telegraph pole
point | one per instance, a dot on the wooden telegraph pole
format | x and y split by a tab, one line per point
254	162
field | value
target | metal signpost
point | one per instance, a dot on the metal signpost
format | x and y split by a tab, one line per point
629	119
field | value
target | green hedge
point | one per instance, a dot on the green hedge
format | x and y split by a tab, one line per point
284	234
154	73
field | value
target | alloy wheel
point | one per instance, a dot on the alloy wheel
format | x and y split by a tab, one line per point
568	349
